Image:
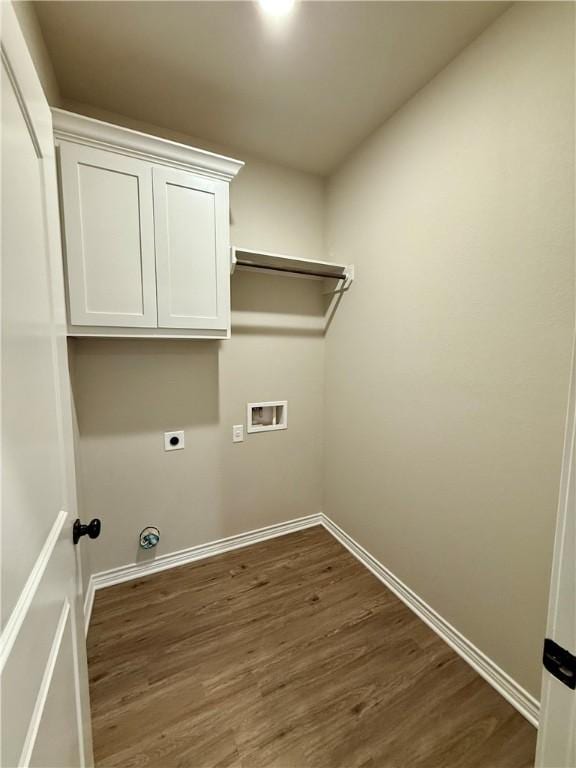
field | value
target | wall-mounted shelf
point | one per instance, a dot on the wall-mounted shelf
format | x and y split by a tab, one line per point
244	258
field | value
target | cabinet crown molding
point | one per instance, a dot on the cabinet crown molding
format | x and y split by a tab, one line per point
69	126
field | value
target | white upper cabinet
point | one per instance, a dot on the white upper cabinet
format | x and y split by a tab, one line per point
146	232
109	232
192	262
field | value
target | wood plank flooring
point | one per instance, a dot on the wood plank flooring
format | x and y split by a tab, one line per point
285	654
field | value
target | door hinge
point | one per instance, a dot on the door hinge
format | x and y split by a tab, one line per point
560	663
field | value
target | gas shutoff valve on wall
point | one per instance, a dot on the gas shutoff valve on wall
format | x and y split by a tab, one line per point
149	537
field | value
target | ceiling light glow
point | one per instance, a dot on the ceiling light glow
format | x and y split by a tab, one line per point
276	7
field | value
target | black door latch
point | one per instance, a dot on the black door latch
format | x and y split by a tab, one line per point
92	529
560	663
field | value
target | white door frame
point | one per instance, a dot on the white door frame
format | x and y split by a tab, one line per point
52	587
556	747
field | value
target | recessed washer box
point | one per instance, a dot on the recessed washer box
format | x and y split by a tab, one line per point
266	417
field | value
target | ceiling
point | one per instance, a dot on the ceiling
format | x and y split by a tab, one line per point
302	91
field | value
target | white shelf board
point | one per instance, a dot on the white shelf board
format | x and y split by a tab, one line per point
275	262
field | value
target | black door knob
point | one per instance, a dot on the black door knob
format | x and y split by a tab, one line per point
92	529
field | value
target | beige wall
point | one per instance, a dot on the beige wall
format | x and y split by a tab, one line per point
447	365
127	393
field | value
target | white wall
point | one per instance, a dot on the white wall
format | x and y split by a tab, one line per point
127	393
447	364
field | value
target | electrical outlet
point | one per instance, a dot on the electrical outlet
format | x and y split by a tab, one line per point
238	433
174	441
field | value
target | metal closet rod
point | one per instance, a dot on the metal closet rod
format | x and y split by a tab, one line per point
310	272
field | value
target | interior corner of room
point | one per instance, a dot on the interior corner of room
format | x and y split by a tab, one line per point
353	335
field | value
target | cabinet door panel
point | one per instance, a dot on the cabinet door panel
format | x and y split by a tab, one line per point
108	224
192	268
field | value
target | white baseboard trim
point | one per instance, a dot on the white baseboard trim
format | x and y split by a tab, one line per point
190	555
512	691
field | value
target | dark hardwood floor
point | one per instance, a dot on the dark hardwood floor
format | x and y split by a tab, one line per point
286	653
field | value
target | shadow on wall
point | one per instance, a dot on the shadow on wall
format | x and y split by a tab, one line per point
136	385
278	305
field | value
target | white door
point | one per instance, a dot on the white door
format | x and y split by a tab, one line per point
44	713
557	732
192	261
109	236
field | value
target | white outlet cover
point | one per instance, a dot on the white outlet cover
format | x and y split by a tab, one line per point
238	433
174	441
